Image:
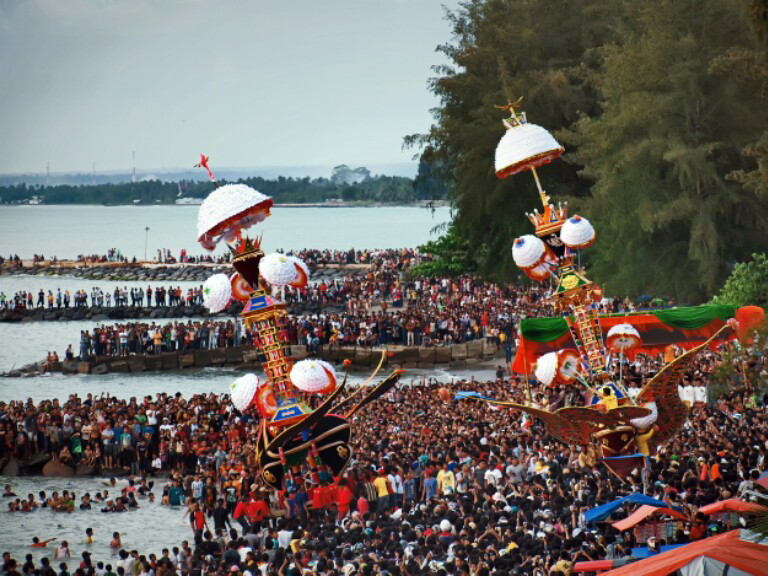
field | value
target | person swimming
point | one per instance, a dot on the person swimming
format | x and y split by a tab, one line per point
37	543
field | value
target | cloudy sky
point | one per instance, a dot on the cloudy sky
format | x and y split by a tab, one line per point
248	82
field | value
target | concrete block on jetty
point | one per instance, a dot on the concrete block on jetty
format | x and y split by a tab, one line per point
186	360
489	348
443	355
362	357
202	358
346	353
474	348
330	353
250	355
136	363
169	360
69	367
459	351
234	355
153	363
410	355
218	356
299	353
100	369
120	366
427	356
83	367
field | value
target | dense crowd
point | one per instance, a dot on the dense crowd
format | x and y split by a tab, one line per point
432	487
158	297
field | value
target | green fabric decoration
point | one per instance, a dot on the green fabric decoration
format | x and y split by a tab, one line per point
543	329
686	318
694	317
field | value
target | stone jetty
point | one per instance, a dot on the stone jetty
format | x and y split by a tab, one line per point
456	356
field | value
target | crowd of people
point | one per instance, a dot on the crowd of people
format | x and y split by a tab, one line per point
157	297
434	486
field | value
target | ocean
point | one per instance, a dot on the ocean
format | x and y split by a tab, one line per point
69	231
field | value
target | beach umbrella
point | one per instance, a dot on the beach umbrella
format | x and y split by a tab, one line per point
217	292
227	211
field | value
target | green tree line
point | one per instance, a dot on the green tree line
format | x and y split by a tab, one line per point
384	189
662	107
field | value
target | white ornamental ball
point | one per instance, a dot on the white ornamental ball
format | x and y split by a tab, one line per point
528	251
311	376
227	209
243	390
278	269
577	233
546	368
217	292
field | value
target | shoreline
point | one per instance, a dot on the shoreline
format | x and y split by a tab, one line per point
247	358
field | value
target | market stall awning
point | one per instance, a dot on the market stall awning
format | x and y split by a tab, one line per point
644	512
704	557
732	505
685	327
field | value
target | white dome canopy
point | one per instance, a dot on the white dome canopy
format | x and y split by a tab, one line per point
228	208
525	146
577	232
528	251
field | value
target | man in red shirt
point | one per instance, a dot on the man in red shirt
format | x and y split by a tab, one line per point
257	511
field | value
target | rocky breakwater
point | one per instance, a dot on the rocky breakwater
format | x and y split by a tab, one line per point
456	356
113	314
123	271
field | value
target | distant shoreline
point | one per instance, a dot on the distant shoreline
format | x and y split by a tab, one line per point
421	204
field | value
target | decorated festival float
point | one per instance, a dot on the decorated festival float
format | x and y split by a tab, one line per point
305	416
582	348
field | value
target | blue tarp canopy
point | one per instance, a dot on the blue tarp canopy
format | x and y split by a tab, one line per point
605	510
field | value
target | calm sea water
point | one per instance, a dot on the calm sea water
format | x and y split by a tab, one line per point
67	231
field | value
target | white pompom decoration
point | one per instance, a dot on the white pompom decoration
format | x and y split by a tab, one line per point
577	233
278	269
528	251
546	368
243	390
313	376
217	292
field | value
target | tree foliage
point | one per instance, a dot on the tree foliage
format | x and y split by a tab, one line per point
747	284
450	256
665	135
384	189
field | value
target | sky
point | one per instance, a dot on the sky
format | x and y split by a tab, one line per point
247	82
